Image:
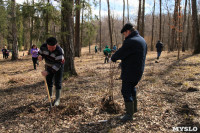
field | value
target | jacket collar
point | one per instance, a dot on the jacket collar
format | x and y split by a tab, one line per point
134	33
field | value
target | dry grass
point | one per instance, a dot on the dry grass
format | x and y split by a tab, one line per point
168	96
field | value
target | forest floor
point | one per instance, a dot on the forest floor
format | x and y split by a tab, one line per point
168	96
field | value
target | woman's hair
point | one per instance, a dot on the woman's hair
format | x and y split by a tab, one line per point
34	46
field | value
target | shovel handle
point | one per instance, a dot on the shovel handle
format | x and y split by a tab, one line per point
48	92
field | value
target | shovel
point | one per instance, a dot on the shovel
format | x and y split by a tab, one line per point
49	98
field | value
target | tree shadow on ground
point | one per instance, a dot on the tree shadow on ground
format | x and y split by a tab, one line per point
25	88
104	125
9	60
17	72
170	67
13	113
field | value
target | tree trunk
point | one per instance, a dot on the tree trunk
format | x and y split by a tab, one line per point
139	15
160	19
143	14
31	26
14	32
169	29
67	36
100	23
195	28
152	35
184	22
82	18
47	21
163	29
174	36
128	10
109	24
123	18
77	30
179	27
188	27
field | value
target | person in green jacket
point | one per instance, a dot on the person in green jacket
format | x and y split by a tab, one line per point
107	53
96	49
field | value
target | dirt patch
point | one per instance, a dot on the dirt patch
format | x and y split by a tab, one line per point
110	106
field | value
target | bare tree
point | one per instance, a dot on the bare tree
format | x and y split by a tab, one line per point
169	27
77	45
123	18
160	19
67	36
14	32
128	10
195	28
152	35
174	35
188	27
100	23
109	24
82	19
47	20
179	27
143	14
31	26
139	15
184	23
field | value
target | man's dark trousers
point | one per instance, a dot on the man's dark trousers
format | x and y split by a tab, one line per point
58	79
129	92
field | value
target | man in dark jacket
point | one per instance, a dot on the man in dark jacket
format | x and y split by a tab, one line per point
54	65
159	47
132	54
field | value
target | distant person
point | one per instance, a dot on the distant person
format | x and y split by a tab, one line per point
34	52
107	53
96	49
54	66
7	53
132	55
159	47
114	48
4	52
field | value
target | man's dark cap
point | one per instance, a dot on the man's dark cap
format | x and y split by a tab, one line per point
51	41
126	27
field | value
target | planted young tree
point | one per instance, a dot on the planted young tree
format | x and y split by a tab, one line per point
67	36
